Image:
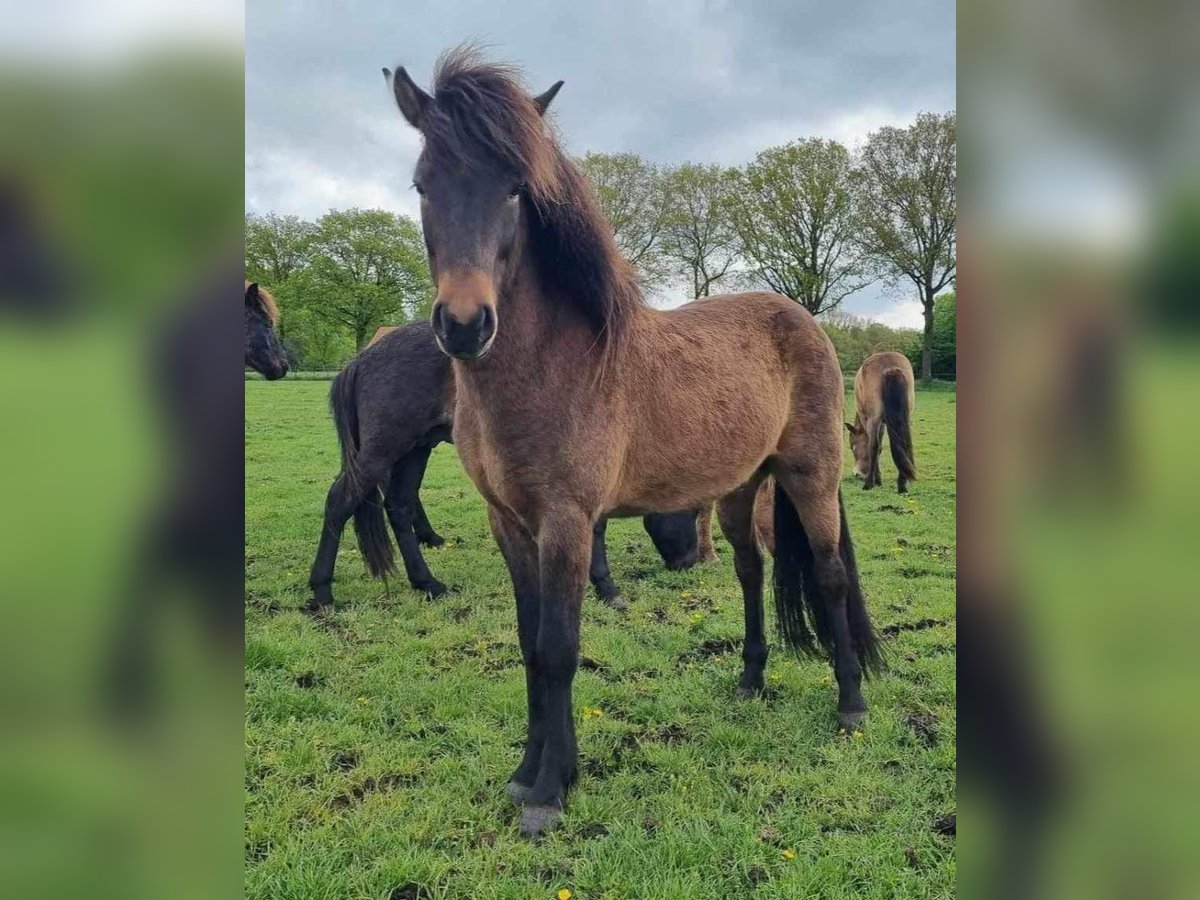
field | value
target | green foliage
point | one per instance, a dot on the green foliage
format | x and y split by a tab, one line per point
794	214
945	339
855	338
908	208
339	278
698	239
378	741
630	191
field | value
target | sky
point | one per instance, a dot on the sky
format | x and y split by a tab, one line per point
672	80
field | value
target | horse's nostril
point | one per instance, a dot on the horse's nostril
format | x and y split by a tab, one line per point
439	318
487	322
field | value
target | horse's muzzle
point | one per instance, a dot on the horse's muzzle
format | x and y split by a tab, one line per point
468	339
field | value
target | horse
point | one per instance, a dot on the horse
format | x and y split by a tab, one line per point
884	395
577	400
392	405
264	353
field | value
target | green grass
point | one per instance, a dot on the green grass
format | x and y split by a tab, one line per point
378	742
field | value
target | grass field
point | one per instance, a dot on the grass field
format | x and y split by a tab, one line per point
378	741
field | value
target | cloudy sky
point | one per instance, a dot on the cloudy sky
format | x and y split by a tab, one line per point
671	80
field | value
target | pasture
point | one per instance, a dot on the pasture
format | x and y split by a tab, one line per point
378	740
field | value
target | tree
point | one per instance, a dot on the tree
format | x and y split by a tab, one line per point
276	247
698	240
908	209
793	210
944	363
630	193
367	268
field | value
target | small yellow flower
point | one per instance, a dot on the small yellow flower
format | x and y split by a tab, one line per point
362	701
563	894
789	854
858	735
686	595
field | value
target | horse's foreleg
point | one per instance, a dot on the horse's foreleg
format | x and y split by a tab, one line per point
564	549
520	554
736	513
425	533
598	570
708	553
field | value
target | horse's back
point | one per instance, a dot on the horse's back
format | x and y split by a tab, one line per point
404	384
869	380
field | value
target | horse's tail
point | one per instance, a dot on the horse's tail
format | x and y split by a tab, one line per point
798	592
369	523
895	415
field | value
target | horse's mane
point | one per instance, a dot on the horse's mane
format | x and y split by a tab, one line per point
268	302
481	110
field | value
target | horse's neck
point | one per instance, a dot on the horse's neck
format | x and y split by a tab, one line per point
542	342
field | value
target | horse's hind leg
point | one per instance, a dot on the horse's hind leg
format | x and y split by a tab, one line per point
401	504
820	517
340	503
736	514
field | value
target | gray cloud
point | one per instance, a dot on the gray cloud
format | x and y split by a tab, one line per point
672	80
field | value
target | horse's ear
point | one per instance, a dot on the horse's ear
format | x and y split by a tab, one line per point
251	291
542	101
409	97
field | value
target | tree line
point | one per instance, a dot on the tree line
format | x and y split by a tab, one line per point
809	219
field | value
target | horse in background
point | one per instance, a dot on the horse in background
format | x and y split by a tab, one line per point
392	405
884	393
264	353
578	401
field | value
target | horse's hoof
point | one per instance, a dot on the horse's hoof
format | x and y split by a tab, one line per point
433	540
433	590
517	792
615	602
710	557
748	693
537	820
851	721
315	607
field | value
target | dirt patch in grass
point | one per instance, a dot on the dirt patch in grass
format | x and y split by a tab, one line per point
924	725
919	625
370	785
709	649
309	680
346	760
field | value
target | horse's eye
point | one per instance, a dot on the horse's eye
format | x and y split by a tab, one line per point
420	190
515	193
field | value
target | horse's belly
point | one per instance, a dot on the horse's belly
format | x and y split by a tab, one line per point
686	474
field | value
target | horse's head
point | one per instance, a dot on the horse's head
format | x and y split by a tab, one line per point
485	147
264	353
674	537
860	448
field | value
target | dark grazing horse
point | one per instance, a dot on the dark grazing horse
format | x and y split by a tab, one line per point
264	353
577	400
392	404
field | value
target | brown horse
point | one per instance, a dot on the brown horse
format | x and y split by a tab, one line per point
883	393
577	400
